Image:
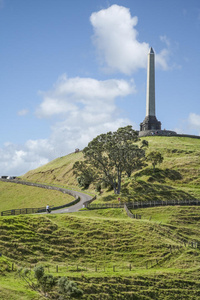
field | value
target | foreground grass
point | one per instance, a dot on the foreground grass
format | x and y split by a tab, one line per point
109	255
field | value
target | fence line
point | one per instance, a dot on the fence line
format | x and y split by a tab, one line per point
21	211
44	186
141	204
40	209
130	215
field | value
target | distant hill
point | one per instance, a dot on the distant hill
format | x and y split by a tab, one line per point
177	177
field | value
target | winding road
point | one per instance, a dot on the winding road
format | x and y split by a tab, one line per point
84	198
73	208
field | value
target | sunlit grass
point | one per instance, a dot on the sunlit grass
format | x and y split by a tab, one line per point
13	196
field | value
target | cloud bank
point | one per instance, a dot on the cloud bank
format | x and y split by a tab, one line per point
116	40
80	109
194	121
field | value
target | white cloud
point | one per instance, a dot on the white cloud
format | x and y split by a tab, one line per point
16	160
95	99
116	40
191	125
161	59
165	40
23	112
86	107
194	121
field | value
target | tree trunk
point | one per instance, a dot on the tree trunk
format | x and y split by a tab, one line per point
119	182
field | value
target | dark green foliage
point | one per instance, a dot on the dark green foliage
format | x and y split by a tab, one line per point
48	285
112	154
98	187
155	157
68	289
84	172
38	272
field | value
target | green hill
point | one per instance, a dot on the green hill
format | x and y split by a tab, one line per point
177	177
13	196
109	255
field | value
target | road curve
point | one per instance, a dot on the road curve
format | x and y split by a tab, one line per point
84	198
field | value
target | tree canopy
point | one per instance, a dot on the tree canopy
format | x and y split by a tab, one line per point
155	157
112	154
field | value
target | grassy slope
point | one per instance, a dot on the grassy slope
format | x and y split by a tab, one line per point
14	196
178	176
58	171
107	238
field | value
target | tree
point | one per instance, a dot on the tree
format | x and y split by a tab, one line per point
85	174
48	285
68	289
112	154
155	157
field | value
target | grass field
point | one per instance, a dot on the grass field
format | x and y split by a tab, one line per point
109	255
13	196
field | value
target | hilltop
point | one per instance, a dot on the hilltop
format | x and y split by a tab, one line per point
177	177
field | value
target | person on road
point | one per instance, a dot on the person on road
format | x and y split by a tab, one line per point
48	209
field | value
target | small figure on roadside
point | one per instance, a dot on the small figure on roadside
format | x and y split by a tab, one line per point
48	209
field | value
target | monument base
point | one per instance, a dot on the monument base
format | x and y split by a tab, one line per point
157	132
150	123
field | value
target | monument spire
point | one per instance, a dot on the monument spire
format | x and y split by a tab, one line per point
150	98
150	122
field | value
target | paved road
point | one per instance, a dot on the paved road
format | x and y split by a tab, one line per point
84	198
75	207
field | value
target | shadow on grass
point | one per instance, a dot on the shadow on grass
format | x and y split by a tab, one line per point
146	191
110	198
159	175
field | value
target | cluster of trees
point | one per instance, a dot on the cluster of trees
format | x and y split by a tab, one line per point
49	286
109	156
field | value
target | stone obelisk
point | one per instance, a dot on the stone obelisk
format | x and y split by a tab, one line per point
150	100
150	122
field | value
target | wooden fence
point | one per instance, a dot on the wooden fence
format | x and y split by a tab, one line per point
41	209
114	205
134	205
141	204
130	215
21	211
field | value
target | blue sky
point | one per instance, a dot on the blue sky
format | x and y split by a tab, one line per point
73	69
